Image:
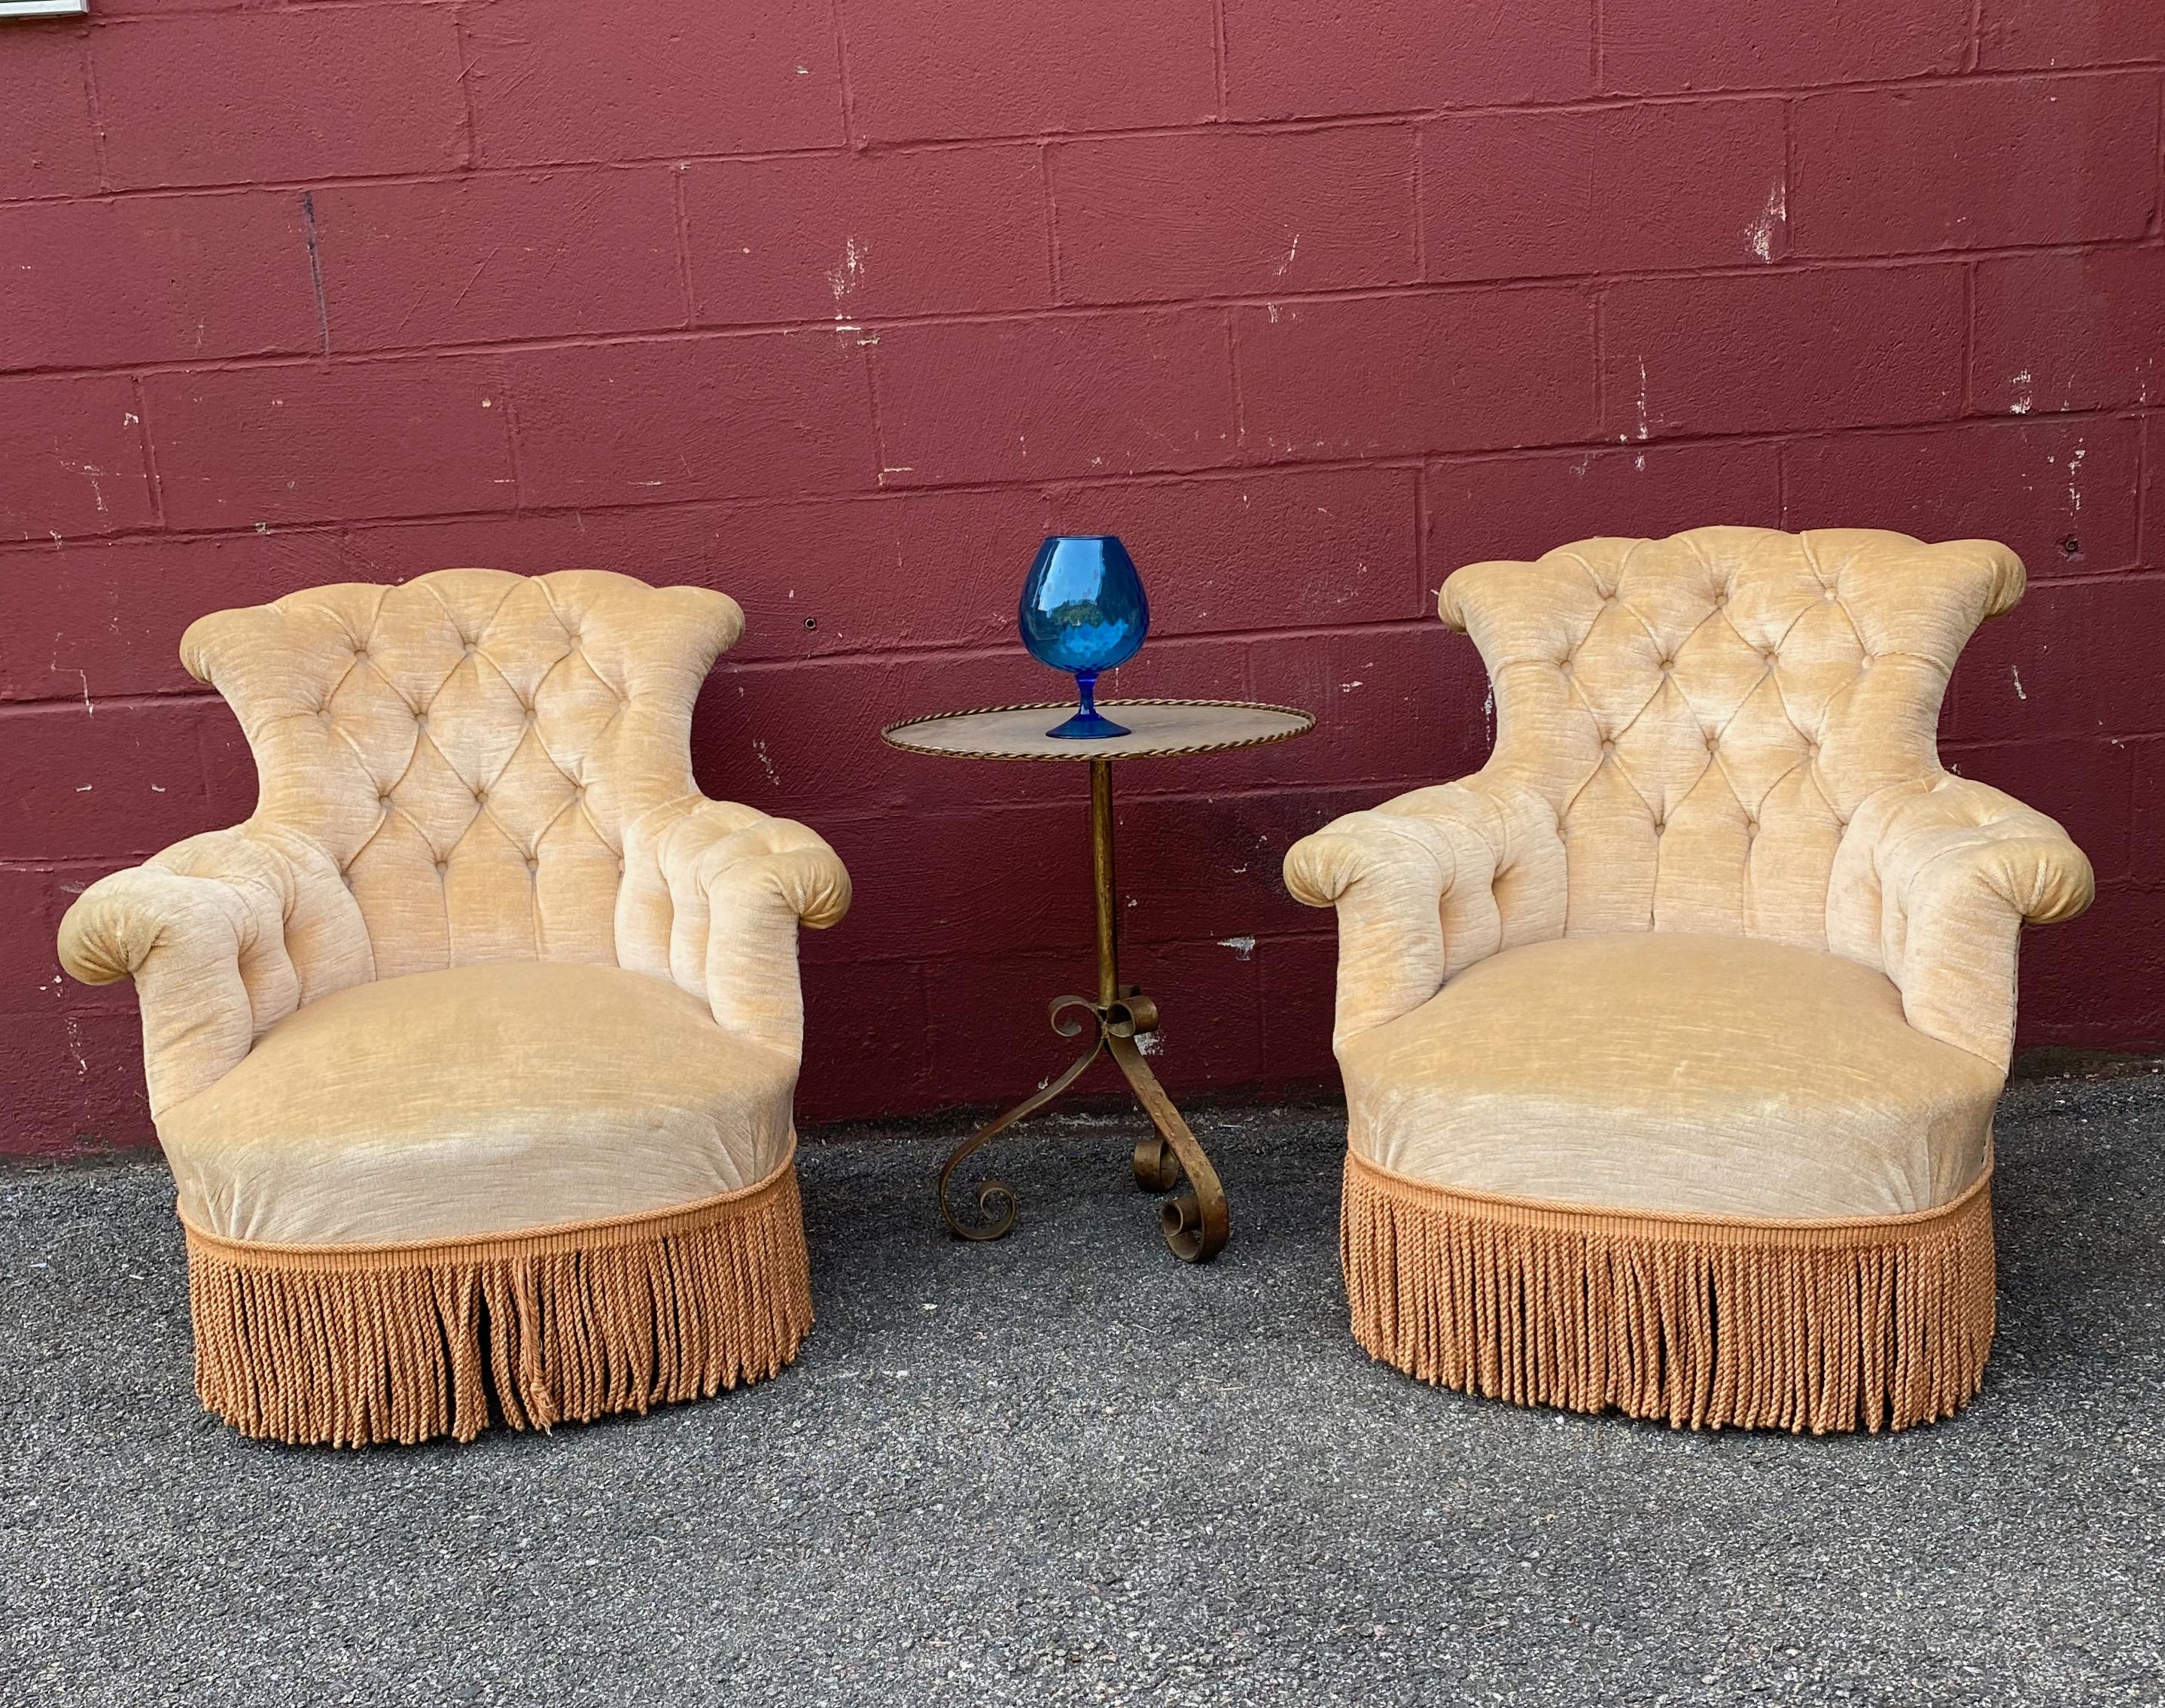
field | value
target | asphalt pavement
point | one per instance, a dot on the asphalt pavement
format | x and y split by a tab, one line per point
1065	1469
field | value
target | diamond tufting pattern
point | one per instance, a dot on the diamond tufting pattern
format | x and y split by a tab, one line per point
468	748
1700	718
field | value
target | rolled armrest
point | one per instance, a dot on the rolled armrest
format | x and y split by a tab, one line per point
734	885
1413	882
203	929
1933	885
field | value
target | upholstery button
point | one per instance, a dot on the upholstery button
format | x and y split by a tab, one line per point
1660	825
443	866
532	865
1829	594
479	792
1608	744
1563	667
1668	665
1721	598
383	799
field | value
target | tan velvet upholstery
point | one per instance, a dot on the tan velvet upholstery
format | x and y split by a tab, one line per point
1712	931
575	1093
483	959
1668	1070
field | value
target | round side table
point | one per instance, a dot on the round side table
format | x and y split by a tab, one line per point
1196	1220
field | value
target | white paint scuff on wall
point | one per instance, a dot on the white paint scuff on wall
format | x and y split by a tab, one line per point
1761	236
845	278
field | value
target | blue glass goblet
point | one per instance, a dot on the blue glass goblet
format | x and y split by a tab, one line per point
1084	610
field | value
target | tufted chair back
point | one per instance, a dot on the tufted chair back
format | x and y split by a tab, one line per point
465	750
1688	725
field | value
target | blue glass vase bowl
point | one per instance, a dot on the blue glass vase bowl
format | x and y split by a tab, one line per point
1084	610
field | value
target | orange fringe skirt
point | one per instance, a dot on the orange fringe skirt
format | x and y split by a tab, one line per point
1876	1323
344	1346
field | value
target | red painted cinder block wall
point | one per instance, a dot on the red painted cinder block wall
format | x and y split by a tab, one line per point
839	307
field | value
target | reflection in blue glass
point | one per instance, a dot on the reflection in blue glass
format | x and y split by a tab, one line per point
1084	610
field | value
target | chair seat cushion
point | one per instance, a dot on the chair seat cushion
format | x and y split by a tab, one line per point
481	1100
1674	1072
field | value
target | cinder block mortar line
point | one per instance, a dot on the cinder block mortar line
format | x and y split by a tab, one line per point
684	248
2157	215
993	317
149	451
1232	381
1599	290
897	656
850	137
2151	440
59	865
1969	338
902	657
1789	253
1956	747
512	450
1288	126
1218	54
471	135
1019	951
72	704
1051	208
96	114
1068	485
870	369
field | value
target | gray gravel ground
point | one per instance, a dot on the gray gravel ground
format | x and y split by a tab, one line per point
1065	1469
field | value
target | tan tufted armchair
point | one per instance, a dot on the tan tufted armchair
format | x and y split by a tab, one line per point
1672	1037
473	1049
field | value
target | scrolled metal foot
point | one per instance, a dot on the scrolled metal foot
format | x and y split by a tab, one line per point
996	1204
1156	1168
1197	1223
996	1198
1183	1221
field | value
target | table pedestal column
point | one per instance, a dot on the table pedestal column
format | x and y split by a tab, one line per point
1195	1220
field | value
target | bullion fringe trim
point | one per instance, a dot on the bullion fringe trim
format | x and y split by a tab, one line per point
344	1346
1872	1324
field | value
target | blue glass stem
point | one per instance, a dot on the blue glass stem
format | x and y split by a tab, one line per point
1089	724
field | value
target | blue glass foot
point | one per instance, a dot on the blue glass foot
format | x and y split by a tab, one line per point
1088	726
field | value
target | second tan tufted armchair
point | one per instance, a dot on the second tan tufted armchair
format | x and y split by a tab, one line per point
473	1049
1672	1037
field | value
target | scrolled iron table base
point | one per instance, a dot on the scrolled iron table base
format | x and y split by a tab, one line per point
1196	1221
1169	1159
